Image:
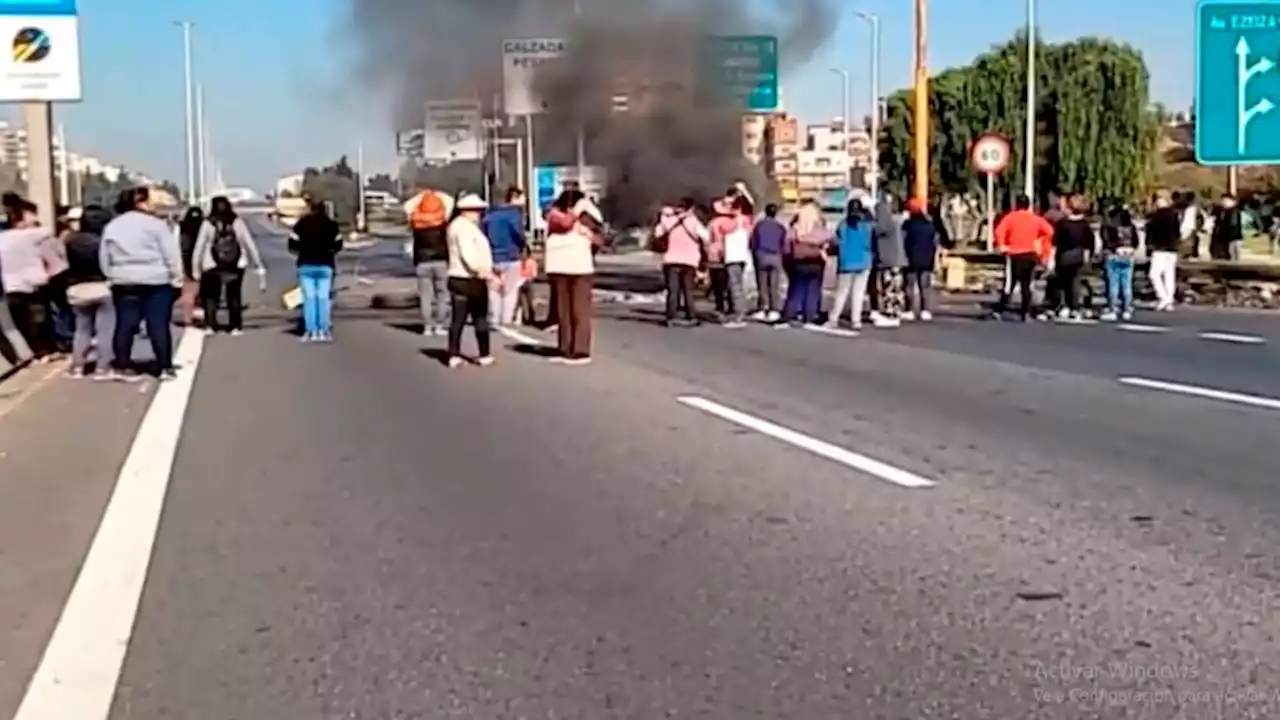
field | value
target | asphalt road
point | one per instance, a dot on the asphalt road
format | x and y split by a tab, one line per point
961	520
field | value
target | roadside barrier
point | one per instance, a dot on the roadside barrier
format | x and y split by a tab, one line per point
14	352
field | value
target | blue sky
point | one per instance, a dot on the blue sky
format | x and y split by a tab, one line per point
273	73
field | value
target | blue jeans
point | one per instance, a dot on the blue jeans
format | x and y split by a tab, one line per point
1119	284
804	294
316	282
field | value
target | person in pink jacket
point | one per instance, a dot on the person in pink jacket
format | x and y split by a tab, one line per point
729	252
682	239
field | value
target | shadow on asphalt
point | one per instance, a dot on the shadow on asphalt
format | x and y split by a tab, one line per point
541	351
639	282
440	355
409	327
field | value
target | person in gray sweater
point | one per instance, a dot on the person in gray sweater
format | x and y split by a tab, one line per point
890	258
142	261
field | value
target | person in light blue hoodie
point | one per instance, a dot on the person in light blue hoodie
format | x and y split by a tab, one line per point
853	263
504	226
142	261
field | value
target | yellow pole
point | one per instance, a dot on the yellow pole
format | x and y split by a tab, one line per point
923	131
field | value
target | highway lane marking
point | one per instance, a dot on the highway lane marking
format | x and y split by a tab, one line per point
822	448
1232	338
1203	392
519	336
835	332
1140	328
81	665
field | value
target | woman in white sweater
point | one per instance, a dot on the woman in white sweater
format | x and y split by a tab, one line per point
470	274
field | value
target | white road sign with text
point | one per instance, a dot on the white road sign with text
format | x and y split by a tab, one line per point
520	61
453	131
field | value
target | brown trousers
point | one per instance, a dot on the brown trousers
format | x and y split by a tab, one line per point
573	312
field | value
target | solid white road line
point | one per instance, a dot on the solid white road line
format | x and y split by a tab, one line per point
81	665
1203	392
837	332
871	466
519	336
1233	338
1139	328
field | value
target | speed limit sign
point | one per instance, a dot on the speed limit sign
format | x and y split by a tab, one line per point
989	154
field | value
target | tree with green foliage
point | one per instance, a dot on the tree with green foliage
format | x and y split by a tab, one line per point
1096	131
337	185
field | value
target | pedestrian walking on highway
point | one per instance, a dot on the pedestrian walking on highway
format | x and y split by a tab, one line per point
890	259
768	237
681	238
574	232
730	251
142	262
853	264
1026	240
1164	237
1073	240
504	226
1119	249
1227	237
921	243
224	251
429	213
90	296
808	243
188	232
24	276
470	275
316	241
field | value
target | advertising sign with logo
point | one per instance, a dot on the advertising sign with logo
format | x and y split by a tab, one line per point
453	131
520	61
43	61
409	144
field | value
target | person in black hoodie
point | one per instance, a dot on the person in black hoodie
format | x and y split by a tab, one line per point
316	241
89	295
1072	243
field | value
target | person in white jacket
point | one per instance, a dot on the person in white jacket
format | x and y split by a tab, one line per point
470	275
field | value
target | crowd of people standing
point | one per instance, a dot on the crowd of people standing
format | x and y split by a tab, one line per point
86	288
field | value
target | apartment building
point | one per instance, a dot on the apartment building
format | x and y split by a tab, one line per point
13	151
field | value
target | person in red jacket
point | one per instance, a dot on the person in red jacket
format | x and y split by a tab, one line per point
1026	240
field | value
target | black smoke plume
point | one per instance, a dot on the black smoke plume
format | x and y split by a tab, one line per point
674	139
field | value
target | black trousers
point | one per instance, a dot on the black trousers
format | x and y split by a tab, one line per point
34	320
136	305
214	284
469	298
1022	273
1067	281
679	282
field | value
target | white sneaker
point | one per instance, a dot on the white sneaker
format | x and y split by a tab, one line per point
1064	314
908	316
486	361
760	316
429	331
926	316
884	322
1127	316
237	333
773	316
1108	316
455	362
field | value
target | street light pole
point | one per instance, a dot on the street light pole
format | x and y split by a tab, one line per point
1029	151
202	177
582	133
186	26
874	21
921	116
845	110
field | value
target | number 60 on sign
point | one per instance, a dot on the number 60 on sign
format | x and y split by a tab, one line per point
989	154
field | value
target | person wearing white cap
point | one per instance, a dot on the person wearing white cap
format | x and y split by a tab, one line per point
574	226
470	275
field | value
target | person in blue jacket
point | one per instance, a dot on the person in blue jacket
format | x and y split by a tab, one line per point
504	226
920	240
853	263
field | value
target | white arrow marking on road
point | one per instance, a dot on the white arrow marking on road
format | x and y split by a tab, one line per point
822	448
1202	392
1244	73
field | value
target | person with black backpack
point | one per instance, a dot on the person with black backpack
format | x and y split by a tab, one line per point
224	251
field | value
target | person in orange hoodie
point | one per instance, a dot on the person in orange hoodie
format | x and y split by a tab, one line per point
1026	240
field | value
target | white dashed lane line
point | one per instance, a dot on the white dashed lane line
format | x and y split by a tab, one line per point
1258	401
1140	328
848	458
1232	338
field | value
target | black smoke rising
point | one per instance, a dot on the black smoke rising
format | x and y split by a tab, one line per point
674	140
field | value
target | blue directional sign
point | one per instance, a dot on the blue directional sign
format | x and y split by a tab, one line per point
1237	83
743	68
37	7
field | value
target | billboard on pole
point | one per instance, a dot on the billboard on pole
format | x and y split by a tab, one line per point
453	131
520	61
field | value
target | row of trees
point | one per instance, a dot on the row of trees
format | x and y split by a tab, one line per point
85	188
1096	132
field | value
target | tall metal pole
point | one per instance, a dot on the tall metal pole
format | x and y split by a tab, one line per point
874	21
361	219
531	191
922	125
1029	151
846	110
64	169
202	175
582	133
186	26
